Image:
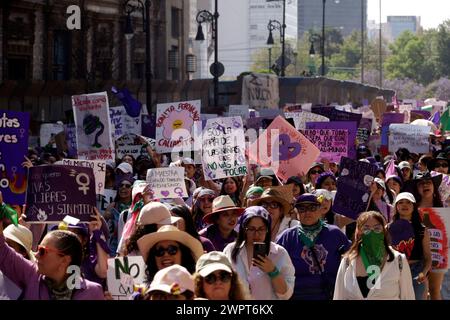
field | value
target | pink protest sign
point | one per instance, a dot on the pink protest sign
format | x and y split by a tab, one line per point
332	143
284	149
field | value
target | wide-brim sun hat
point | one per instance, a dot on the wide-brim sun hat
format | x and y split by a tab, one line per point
221	204
169	233
155	213
273	194
22	236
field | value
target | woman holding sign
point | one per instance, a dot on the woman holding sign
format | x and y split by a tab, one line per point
372	269
264	267
56	275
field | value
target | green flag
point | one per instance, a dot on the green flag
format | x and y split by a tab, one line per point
10	213
445	120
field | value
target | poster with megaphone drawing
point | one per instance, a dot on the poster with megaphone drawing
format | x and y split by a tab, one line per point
91	114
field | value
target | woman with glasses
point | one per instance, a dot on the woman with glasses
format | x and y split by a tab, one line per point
410	237
221	222
315	249
50	278
201	206
267	273
215	279
439	163
166	247
372	269
313	173
278	204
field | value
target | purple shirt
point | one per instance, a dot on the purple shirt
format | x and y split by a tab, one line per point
330	244
25	275
212	233
207	244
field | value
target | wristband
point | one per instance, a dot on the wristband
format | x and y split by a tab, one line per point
273	273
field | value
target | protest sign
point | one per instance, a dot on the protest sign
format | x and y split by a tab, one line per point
284	149
123	274
167	183
270	113
237	110
406	110
386	120
13	149
130	144
301	118
378	107
260	91
71	139
364	131
336	115
223	149
175	124
56	191
207	116
419	114
98	166
353	187
91	112
103	200
332	143
437	221
350	126
49	131
122	123
292	108
415	138
444	188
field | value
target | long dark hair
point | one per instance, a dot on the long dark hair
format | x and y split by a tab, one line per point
136	235
237	289
416	221
183	212
354	250
236	195
437	201
187	261
241	238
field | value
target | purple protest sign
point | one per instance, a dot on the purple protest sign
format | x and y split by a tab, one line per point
364	131
402	236
350	126
336	115
13	147
71	139
353	187
388	119
333	144
419	114
56	191
148	125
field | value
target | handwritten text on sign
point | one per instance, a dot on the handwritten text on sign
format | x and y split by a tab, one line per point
167	183
123	273
260	91
223	148
331	143
416	138
56	191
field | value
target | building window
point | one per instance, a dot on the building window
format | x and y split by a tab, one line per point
176	23
61	55
253	27
174	63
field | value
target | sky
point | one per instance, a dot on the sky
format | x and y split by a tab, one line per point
431	12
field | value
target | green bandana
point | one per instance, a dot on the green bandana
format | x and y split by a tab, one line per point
308	234
8	212
138	206
372	249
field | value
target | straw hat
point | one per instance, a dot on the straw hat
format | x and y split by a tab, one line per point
169	232
221	204
155	213
22	236
275	194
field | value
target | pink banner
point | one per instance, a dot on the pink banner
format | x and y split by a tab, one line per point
333	144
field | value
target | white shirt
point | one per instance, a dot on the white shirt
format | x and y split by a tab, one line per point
286	223
392	284
257	282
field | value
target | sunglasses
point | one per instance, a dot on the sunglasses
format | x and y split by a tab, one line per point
441	164
171	250
125	185
307	208
223	277
316	171
271	205
43	250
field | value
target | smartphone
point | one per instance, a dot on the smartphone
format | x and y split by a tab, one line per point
259	249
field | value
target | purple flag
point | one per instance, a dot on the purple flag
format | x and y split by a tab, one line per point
436	118
13	147
132	106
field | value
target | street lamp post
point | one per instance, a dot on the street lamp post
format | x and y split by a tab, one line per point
217	69
312	39
145	8
272	25
323	38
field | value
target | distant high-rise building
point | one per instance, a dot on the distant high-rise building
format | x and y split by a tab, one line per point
243	31
399	24
343	15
